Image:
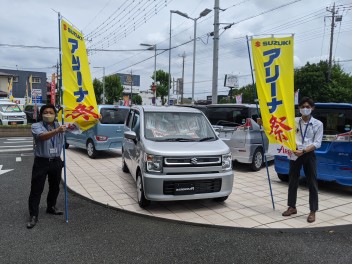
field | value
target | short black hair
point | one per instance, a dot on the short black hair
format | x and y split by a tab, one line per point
47	106
306	100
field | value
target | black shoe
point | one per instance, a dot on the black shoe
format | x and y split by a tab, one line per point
53	210
32	222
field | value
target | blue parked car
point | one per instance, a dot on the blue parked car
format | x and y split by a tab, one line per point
334	157
106	135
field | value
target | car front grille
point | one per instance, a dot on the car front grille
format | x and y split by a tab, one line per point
200	186
195	161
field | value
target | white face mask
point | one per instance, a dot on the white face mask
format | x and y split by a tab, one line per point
305	111
48	118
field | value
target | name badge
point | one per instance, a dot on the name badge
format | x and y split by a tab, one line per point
300	148
52	151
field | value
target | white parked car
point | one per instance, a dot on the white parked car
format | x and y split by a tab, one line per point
11	114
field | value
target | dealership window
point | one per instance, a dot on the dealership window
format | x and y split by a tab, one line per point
36	80
14	79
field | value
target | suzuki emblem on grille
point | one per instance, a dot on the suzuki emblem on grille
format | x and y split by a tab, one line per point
194	161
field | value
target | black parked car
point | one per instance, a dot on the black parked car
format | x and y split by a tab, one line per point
29	110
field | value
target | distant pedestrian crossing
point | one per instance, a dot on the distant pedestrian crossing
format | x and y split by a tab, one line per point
16	144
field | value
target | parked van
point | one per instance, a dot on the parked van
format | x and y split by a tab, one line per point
106	135
237	127
173	153
11	113
334	157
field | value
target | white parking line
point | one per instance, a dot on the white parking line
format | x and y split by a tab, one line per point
16	150
16	146
18	159
14	142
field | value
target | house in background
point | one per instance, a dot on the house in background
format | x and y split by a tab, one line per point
19	82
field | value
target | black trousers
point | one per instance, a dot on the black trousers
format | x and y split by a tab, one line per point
309	163
41	168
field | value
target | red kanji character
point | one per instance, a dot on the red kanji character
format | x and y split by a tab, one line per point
82	110
276	126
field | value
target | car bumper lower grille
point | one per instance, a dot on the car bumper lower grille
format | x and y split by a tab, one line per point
200	186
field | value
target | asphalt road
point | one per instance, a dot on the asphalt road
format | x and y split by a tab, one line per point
97	234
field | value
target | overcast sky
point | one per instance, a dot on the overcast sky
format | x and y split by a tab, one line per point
124	24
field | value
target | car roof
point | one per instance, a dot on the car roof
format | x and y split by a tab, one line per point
113	106
232	105
173	109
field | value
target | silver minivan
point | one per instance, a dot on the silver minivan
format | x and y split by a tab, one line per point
237	127
173	153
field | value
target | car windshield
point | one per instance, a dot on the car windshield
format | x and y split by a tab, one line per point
227	116
161	126
9	108
113	115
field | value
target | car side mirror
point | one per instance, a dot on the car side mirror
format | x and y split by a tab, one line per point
130	135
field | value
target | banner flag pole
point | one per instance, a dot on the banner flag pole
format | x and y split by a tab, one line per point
261	132
63	121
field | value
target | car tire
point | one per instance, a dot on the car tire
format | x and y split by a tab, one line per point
283	177
221	199
142	201
91	151
0	122
257	161
124	166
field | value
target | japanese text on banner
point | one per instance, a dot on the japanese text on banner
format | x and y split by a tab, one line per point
80	106
274	73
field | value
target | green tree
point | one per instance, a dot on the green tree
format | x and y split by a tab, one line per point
247	92
113	89
137	99
98	90
312	81
162	78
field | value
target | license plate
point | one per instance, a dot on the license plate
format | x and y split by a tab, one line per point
13	123
184	188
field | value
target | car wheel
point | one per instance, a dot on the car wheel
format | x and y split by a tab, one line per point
142	201
283	177
0	122
124	166
257	161
221	199
91	151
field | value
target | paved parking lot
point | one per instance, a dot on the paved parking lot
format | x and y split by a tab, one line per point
249	205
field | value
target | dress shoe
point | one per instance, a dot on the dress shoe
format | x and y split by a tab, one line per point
311	217
289	211
32	222
53	210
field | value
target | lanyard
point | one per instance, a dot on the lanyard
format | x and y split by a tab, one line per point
305	131
52	139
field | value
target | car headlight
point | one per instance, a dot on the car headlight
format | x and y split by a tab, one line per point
227	161
5	117
153	163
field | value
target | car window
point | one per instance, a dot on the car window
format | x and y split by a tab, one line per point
9	108
136	124
129	119
113	115
161	126
227	116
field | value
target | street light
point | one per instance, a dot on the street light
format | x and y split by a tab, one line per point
202	14
103	82
169	81
152	47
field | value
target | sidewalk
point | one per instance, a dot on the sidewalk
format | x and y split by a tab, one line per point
249	205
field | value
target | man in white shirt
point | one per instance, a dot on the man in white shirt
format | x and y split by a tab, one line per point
309	134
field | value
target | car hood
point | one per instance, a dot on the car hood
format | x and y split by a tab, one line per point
206	148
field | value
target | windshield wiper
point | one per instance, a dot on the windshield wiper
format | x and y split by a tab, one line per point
206	138
178	139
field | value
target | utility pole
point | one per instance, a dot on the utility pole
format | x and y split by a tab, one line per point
131	86
183	76
333	12
215	53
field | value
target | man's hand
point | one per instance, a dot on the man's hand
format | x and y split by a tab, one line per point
298	153
61	129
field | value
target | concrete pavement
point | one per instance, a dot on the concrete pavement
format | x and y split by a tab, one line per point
249	205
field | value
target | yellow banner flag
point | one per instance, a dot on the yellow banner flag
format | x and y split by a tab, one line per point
9	90
274	74
79	103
